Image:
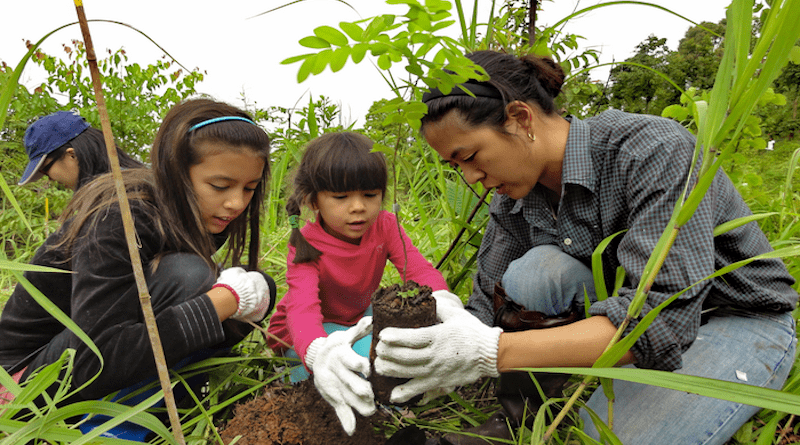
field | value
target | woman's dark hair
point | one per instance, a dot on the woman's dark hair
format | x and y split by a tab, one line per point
333	162
528	78
168	186
90	150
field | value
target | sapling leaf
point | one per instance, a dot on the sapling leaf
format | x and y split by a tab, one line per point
305	69
314	42
378	48
352	30
414	69
384	62
441	25
359	51
331	35
376	26
321	61
339	58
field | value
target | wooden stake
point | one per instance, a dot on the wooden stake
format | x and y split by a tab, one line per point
130	233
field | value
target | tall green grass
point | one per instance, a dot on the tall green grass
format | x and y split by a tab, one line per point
434	208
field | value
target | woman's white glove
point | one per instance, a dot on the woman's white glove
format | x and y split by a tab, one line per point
445	298
253	294
456	352
336	369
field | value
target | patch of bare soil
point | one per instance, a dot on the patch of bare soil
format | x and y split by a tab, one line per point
295	415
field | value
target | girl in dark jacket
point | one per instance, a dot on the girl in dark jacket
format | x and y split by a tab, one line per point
210	164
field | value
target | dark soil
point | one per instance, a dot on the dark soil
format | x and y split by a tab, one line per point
390	308
296	415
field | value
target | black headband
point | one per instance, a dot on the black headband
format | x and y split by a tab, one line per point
477	89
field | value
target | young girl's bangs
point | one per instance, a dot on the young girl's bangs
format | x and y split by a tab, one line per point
350	170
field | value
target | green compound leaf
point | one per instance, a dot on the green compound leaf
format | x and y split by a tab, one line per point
331	35
314	42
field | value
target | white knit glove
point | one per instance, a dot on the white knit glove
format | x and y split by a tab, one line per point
445	298
458	351
336	369
251	290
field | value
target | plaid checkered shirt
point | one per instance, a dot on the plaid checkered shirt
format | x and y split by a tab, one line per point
625	172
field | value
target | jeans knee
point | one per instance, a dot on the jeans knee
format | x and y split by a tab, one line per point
548	280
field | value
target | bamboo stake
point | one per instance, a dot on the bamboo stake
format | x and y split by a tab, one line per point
130	234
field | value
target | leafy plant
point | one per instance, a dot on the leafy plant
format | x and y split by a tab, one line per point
742	80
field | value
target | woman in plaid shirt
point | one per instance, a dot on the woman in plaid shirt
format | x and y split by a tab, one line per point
562	185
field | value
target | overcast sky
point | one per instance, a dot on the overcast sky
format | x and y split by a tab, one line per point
241	55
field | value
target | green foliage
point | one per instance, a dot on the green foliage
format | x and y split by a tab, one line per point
140	97
638	90
436	204
780	118
698	56
141	94
408	40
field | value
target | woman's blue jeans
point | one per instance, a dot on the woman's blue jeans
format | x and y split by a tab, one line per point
548	280
361	346
734	345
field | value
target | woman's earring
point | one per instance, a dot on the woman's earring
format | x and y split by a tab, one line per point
531	136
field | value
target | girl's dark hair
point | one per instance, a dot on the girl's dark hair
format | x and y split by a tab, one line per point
89	203
333	162
175	150
90	149
528	78
169	186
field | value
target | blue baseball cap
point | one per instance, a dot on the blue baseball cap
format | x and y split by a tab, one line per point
47	134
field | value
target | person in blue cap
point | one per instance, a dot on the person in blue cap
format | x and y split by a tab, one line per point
66	149
205	189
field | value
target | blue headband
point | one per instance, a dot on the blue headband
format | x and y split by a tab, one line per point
219	119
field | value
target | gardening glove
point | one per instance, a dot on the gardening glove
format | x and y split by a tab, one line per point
254	292
456	352
445	298
336	369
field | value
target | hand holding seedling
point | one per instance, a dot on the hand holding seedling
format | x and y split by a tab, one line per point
336	369
445	298
455	352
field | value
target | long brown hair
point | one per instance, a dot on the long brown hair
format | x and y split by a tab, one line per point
333	162
169	187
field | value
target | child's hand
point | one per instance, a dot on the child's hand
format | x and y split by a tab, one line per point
336	369
254	292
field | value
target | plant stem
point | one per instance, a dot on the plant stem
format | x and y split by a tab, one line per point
475	209
396	206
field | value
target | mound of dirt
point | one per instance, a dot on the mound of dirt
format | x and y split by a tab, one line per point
295	415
